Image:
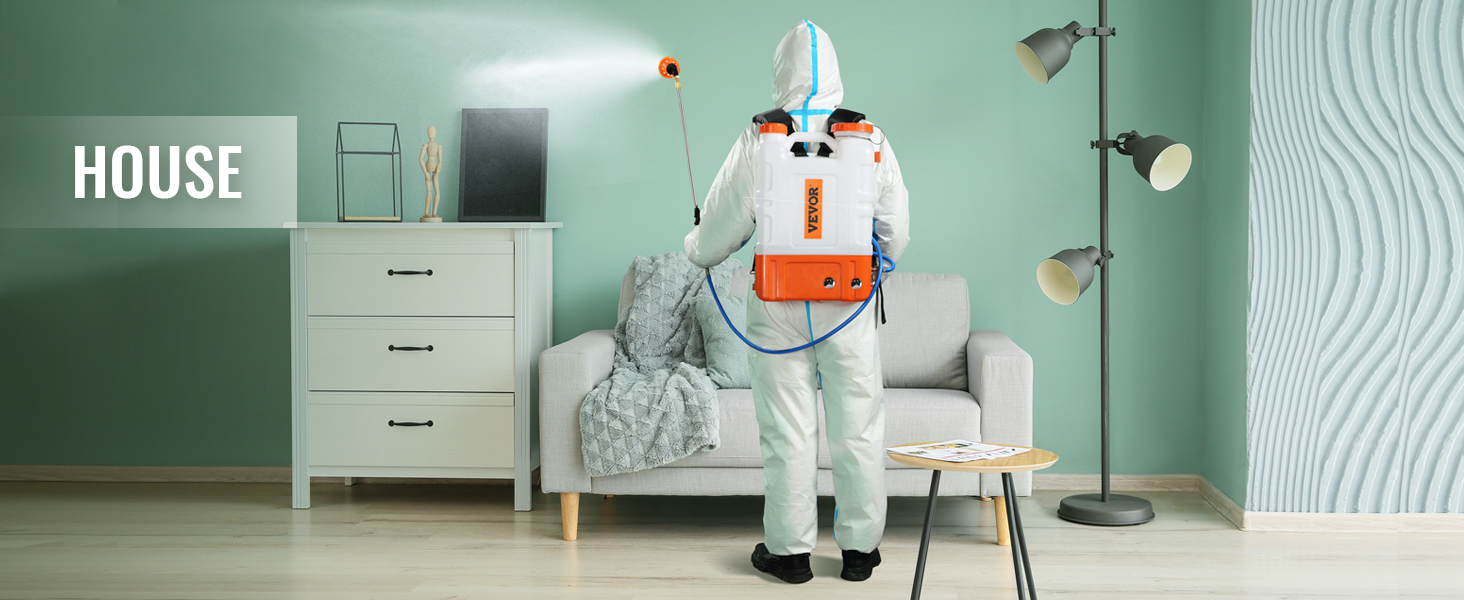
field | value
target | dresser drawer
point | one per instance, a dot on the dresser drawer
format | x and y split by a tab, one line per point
466	355
382	281
347	435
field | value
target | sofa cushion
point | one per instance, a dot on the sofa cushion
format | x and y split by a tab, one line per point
727	362
923	342
911	415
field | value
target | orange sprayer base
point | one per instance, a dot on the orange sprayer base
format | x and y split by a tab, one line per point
782	278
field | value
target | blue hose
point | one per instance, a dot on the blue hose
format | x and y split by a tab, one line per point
878	278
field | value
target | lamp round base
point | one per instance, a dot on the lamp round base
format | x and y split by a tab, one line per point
1090	509
426	219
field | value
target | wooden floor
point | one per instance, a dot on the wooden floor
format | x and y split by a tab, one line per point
236	541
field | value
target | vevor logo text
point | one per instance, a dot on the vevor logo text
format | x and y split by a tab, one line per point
813	195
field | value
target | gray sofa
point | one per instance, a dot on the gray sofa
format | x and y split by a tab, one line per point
942	381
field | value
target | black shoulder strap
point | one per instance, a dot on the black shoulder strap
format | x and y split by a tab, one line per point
843	115
776	115
840	115
781	116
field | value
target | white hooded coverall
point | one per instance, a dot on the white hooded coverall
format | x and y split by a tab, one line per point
784	387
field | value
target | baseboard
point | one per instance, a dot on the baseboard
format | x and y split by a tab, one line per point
1222	503
1067	482
1247	520
121	474
1257	521
1354	522
85	473
1080	482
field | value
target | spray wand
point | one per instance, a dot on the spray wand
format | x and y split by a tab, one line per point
671	69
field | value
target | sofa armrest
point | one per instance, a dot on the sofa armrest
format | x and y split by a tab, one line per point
567	373
1000	376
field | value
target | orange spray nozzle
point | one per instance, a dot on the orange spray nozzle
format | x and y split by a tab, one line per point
669	68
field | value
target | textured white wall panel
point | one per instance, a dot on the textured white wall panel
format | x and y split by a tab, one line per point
1356	325
1434	363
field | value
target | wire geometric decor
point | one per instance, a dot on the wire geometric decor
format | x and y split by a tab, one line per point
369	145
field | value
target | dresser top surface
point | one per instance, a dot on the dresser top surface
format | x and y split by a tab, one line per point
385	226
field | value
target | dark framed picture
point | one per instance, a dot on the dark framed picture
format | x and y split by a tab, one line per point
503	171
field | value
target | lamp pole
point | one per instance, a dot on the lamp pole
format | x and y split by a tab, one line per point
1103	229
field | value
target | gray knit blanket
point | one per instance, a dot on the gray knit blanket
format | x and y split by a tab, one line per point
659	405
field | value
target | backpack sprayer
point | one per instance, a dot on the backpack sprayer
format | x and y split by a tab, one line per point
814	203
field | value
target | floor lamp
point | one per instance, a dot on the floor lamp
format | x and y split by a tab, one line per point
1163	163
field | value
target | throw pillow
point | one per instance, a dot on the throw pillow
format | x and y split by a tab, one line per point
726	354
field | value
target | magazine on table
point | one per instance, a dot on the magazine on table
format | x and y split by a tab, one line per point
958	451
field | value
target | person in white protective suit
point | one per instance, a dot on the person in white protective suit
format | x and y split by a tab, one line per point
806	84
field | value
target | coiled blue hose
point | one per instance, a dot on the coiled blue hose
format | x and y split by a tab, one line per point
878	278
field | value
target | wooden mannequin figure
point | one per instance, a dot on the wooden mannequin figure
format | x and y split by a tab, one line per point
431	161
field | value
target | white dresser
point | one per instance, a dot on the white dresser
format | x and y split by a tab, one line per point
415	350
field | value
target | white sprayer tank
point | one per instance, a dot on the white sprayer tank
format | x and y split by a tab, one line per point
815	214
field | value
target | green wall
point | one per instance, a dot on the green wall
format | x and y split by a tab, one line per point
1225	289
169	346
145	346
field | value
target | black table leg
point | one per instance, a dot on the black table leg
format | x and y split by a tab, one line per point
925	535
1020	562
1021	536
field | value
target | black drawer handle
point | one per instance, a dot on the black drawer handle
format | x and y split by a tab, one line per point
408	424
391	272
428	348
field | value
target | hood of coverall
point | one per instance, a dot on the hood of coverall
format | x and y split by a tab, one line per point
806	79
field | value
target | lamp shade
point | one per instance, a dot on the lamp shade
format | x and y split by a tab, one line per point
1067	274
1159	160
1046	52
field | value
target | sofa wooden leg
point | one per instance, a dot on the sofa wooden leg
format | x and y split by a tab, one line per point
569	514
1003	536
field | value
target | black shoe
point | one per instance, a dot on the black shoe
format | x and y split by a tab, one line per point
858	566
792	569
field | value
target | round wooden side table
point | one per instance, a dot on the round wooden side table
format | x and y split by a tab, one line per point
1032	460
